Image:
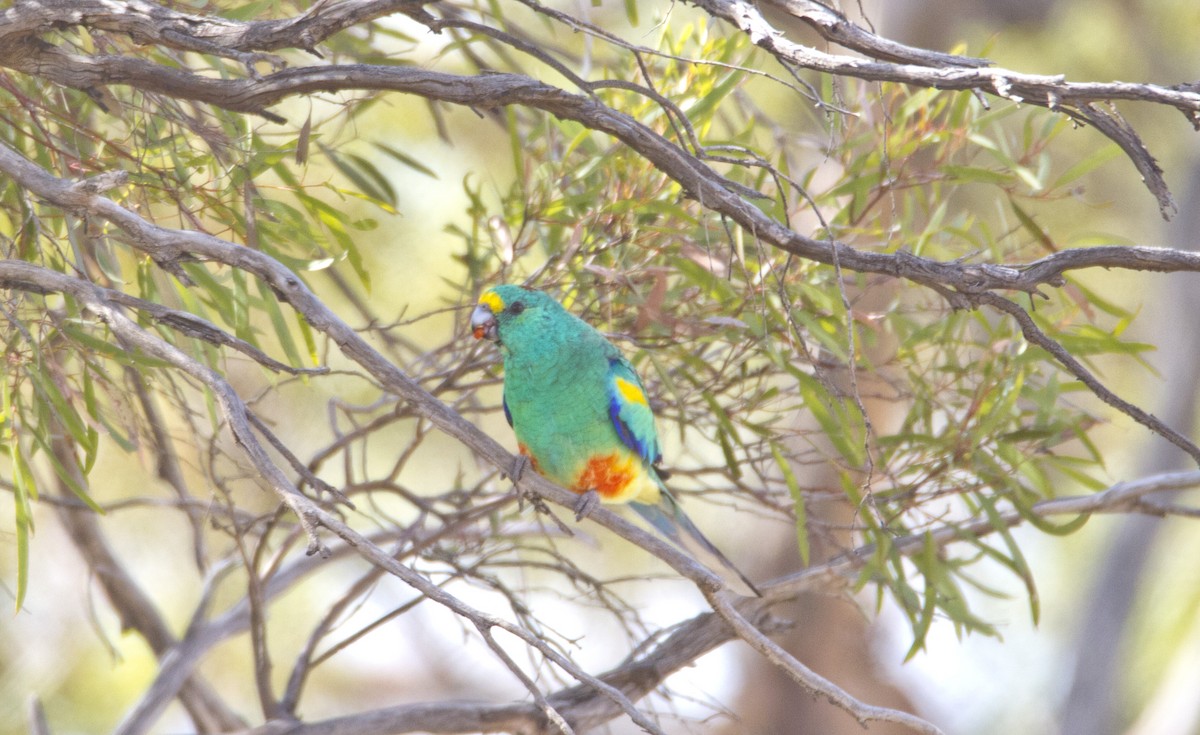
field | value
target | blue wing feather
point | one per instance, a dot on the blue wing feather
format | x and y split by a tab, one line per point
507	413
630	411
623	430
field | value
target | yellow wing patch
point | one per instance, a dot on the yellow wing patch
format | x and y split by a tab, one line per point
492	300
631	391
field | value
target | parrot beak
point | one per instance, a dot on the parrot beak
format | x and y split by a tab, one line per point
483	323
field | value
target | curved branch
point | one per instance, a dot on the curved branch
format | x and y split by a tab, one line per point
1048	270
1035	335
152	23
1051	92
255	95
810	679
147	22
837	28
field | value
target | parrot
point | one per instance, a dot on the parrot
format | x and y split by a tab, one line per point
580	413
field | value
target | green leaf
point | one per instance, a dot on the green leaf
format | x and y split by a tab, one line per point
24	524
65	474
1089	163
1015	560
310	342
1033	228
241	309
282	332
66	415
793	486
835	419
979	175
631	12
1046	526
91	448
407	160
362	173
24	488
926	561
725	435
704	106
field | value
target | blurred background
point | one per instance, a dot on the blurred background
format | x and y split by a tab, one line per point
1118	642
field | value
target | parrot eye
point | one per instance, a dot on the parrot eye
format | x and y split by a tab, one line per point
516	308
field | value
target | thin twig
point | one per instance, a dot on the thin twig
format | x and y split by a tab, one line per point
1034	334
809	679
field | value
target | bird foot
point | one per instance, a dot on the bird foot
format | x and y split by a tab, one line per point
520	463
515	473
586	504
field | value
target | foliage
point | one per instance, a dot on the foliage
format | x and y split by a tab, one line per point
737	339
863	410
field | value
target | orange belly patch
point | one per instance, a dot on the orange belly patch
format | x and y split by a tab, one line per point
609	476
524	451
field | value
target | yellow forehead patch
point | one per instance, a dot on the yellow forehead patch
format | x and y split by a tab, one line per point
492	300
631	392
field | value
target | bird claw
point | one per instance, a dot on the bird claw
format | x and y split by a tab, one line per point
586	504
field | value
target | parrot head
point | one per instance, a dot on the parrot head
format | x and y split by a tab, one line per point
505	311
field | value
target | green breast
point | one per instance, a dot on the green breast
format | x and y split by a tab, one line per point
557	396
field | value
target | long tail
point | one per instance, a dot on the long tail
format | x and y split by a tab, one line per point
672	522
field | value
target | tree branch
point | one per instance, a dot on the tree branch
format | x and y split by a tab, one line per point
1052	92
1035	335
150	23
837	28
